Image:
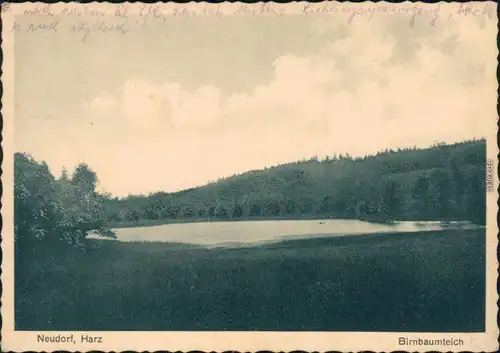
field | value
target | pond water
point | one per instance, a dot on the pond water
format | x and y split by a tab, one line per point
254	232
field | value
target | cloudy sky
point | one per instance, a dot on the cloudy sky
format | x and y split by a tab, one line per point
176	104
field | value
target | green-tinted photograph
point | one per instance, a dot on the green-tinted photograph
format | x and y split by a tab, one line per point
251	173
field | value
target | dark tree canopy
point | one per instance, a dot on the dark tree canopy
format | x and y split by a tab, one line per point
443	182
85	178
51	210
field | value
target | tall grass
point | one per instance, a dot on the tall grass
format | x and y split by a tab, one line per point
428	281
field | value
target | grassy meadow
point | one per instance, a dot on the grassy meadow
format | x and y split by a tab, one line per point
427	281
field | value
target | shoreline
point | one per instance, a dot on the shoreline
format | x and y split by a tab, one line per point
151	223
287	240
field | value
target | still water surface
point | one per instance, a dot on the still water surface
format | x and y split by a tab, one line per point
254	232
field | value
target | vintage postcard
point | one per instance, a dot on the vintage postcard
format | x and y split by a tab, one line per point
245	177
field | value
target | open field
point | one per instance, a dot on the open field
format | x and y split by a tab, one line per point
426	281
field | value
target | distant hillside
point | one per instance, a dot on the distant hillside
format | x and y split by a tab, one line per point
444	182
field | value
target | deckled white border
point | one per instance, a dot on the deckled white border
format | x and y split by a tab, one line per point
222	341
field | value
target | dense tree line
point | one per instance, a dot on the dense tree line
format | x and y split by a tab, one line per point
50	210
443	182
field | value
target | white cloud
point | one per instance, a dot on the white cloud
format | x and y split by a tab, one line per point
176	138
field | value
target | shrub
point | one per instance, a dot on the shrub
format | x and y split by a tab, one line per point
47	209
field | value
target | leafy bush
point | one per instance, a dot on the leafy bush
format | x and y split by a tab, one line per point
47	209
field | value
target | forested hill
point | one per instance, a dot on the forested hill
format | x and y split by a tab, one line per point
444	182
